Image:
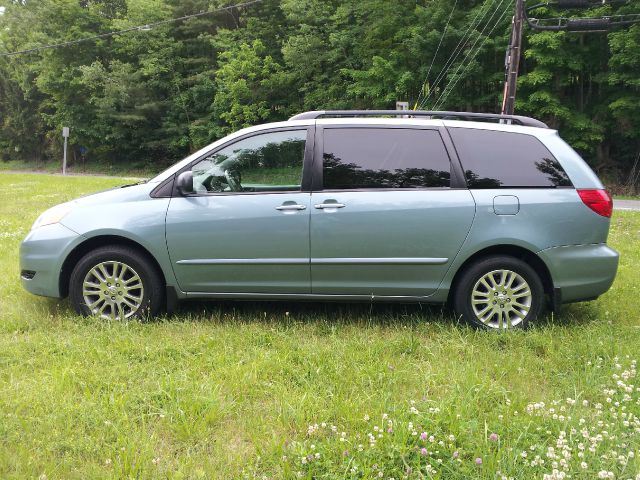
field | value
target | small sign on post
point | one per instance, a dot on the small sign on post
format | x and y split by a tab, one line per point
402	106
65	134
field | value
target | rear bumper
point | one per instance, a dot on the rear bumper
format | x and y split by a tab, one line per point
41	255
581	272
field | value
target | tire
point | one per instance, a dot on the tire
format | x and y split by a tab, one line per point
479	296
122	283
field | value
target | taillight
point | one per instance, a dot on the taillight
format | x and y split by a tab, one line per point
597	200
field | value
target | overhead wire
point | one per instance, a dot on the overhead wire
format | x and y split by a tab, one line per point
452	85
473	45
458	49
436	54
456	80
142	27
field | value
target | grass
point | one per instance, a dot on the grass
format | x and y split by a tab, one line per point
91	168
224	390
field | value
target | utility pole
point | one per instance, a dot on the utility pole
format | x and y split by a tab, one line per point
512	63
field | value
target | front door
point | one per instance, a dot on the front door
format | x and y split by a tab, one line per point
246	229
386	221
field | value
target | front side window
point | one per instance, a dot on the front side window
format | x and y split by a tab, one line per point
367	158
494	159
268	162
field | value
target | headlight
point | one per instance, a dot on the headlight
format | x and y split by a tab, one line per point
53	215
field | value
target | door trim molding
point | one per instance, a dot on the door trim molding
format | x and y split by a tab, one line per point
316	261
380	261
244	261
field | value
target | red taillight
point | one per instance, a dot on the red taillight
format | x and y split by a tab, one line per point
597	200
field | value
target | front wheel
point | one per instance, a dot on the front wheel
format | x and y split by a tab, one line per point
499	292
115	283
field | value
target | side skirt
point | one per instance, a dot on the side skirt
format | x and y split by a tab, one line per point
311	297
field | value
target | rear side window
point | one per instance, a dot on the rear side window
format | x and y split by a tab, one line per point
384	158
493	159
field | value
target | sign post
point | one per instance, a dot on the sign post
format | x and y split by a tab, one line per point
65	134
402	106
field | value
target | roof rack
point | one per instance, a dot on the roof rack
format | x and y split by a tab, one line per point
469	116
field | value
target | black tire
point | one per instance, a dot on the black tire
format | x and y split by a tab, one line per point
150	295
501	304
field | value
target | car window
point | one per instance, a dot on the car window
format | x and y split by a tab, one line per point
261	163
384	158
493	159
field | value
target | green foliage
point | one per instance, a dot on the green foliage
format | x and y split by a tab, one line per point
148	98
245	87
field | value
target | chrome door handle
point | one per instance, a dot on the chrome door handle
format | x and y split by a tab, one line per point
330	205
291	207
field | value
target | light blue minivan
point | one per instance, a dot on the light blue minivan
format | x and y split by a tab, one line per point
495	214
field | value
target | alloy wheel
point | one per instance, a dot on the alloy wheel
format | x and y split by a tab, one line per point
113	290
501	299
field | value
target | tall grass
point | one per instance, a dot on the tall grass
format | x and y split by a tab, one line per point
233	390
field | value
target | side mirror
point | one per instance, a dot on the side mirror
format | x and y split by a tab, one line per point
184	183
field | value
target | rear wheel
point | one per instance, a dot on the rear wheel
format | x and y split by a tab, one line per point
499	292
115	283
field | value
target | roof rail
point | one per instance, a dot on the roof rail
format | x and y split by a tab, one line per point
469	116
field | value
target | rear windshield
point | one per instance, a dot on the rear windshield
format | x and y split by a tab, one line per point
493	159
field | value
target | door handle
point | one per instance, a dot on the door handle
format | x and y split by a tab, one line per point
330	205
291	207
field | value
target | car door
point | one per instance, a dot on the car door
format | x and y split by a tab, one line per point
246	227
389	212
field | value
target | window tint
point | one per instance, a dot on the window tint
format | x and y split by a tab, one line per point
262	163
503	159
384	158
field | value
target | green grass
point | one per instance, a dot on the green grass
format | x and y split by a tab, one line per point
91	168
224	390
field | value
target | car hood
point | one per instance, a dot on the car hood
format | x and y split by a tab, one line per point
125	193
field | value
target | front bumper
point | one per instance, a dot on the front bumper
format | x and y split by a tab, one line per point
581	272
42	253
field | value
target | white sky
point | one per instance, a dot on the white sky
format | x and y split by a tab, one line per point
1	10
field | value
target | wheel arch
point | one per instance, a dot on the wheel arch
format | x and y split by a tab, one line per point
92	243
521	253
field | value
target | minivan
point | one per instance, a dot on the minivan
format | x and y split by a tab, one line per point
494	214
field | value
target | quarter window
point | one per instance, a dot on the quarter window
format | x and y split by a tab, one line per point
384	158
268	162
493	159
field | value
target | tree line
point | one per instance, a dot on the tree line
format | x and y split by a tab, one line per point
149	97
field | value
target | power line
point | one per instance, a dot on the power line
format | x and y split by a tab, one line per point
436	54
471	49
451	86
458	50
144	27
